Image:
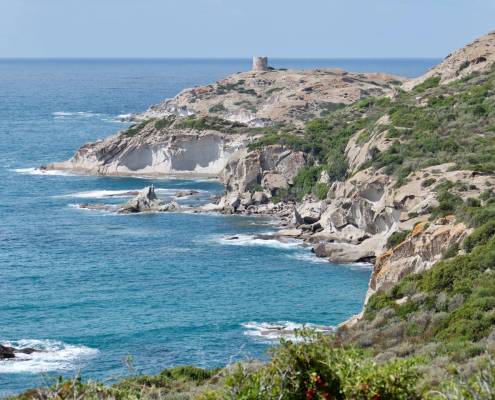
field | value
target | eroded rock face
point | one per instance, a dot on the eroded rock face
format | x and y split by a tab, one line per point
156	152
422	248
263	171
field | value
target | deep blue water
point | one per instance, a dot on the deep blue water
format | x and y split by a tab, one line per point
93	287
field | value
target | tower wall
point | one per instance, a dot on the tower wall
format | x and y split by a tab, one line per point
260	63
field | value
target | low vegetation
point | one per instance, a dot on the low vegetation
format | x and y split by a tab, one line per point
445	315
201	123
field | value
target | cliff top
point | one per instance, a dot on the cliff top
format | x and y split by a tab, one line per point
259	98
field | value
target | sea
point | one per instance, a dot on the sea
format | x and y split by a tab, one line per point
105	295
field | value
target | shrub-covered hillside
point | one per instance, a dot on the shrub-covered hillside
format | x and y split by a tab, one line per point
430	125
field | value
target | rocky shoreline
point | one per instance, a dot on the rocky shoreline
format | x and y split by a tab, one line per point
251	130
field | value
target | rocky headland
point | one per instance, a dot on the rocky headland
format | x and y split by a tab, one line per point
362	167
338	157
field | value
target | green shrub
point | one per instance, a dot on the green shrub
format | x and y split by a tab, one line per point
321	191
480	236
217	108
136	128
396	238
164	122
315	369
305	181
429	83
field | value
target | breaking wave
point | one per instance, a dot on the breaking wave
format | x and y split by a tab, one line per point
102	194
274	331
37	171
258	240
83	114
53	356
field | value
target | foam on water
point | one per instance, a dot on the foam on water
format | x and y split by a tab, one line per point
37	171
308	257
83	114
274	331
53	356
102	194
256	240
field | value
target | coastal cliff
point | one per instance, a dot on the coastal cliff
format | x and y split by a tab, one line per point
403	178
198	130
345	160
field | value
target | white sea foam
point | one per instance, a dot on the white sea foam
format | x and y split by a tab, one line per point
101	194
274	331
37	171
79	114
104	208
54	356
308	257
359	265
256	240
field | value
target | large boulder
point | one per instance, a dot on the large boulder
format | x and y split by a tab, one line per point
146	201
274	182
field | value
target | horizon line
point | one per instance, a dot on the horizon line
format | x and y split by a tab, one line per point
213	58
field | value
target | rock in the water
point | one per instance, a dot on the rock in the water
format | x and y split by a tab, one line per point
172	206
186	193
147	200
6	352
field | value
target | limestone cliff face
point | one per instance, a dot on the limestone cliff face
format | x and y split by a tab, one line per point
156	152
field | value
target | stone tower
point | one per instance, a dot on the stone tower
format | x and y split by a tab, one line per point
260	63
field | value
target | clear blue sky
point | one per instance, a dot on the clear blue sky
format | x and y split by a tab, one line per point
240	28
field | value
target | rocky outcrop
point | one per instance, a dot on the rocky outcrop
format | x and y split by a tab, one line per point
7	352
477	56
173	151
147	201
423	247
253	177
163	144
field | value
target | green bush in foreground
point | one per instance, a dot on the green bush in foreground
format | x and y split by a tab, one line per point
314	369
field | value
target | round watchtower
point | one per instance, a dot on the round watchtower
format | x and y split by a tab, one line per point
260	63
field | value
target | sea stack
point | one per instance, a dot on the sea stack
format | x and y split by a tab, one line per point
260	63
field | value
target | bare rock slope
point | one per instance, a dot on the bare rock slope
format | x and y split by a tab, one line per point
260	98
477	56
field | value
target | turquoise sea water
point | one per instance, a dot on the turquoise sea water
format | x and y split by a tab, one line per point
92	287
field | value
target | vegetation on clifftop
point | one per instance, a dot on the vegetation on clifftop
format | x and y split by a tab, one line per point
433	124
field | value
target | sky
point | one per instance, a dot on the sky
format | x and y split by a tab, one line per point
241	28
